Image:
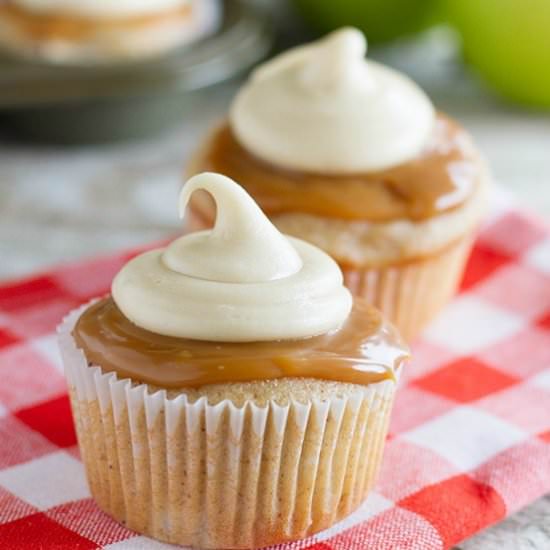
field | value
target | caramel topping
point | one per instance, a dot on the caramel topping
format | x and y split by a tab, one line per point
363	351
47	27
440	179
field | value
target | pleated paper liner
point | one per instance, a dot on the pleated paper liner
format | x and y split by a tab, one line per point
412	293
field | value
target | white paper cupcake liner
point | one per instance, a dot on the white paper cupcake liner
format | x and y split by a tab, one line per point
222	476
411	294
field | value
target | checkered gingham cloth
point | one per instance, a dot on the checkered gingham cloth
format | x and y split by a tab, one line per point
469	442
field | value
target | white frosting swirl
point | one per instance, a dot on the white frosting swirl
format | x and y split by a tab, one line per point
242	281
323	108
100	8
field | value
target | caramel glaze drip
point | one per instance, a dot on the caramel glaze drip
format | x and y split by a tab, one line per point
72	27
440	179
363	351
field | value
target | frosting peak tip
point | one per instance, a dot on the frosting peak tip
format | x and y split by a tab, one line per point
348	40
243	245
338	62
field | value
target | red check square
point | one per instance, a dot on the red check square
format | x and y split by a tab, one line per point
465	380
544	321
52	419
483	262
31	531
7	338
476	504
27	293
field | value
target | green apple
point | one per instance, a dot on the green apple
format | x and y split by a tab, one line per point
508	43
380	20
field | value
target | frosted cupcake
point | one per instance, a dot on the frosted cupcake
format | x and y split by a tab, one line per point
101	31
351	156
230	393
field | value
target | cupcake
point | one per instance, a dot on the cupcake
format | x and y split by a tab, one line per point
351	156
230	393
98	31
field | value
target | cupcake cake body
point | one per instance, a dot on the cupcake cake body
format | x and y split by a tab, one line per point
90	31
351	156
230	393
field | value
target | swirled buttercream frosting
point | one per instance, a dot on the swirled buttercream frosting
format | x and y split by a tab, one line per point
324	108
241	281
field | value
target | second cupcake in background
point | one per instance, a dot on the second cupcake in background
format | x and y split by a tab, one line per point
352	156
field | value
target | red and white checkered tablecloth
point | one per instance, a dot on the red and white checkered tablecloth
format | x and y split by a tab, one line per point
469	442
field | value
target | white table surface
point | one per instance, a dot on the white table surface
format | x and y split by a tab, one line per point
59	204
